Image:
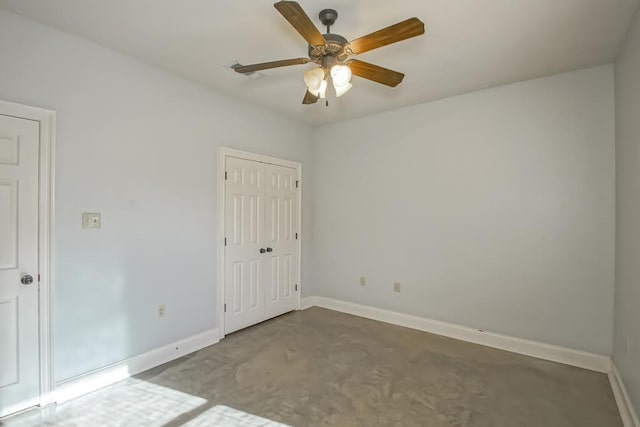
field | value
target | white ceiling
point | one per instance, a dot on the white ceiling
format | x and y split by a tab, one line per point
468	45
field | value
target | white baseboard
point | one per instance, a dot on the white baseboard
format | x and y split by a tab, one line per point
627	413
308	302
96	379
581	359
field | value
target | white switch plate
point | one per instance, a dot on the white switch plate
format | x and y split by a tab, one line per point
90	220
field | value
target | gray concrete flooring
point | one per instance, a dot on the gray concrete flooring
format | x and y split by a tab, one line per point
323	368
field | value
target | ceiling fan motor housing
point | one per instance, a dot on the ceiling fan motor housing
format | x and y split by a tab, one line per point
333	51
334	48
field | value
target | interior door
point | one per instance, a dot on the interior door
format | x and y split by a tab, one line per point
244	231
281	215
19	354
261	248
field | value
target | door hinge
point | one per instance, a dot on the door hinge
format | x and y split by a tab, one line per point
225	175
225	241
296	288
38	277
225	308
297	183
296	236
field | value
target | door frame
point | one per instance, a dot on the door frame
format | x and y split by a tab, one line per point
232	152
46	196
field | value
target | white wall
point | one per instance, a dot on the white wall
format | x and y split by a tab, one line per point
140	146
493	210
627	313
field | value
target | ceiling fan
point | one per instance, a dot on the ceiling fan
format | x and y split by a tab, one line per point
332	52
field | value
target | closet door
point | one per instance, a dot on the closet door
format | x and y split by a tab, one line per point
19	341
281	214
244	230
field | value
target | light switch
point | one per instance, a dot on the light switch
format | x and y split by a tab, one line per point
90	220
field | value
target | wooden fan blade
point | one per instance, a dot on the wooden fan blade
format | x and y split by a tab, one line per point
375	73
266	65
294	13
412	27
309	98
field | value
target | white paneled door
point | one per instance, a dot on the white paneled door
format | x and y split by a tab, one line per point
281	216
244	230
19	352
261	248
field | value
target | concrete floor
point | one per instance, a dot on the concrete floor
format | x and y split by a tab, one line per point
323	368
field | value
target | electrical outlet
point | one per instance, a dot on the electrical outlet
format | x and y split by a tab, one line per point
162	310
90	220
396	287
363	281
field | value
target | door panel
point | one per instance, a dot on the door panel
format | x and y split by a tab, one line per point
8	224
274	270
244	228
9	340
19	351
281	220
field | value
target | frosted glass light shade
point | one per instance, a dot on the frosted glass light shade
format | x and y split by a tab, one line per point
341	90
341	75
322	92
313	79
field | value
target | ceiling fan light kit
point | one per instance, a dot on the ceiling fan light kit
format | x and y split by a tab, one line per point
341	74
332	52
315	79
341	90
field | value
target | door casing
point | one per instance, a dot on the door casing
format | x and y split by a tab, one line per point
231	152
46	198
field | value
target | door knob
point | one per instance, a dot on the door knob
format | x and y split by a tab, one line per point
262	250
269	250
26	279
